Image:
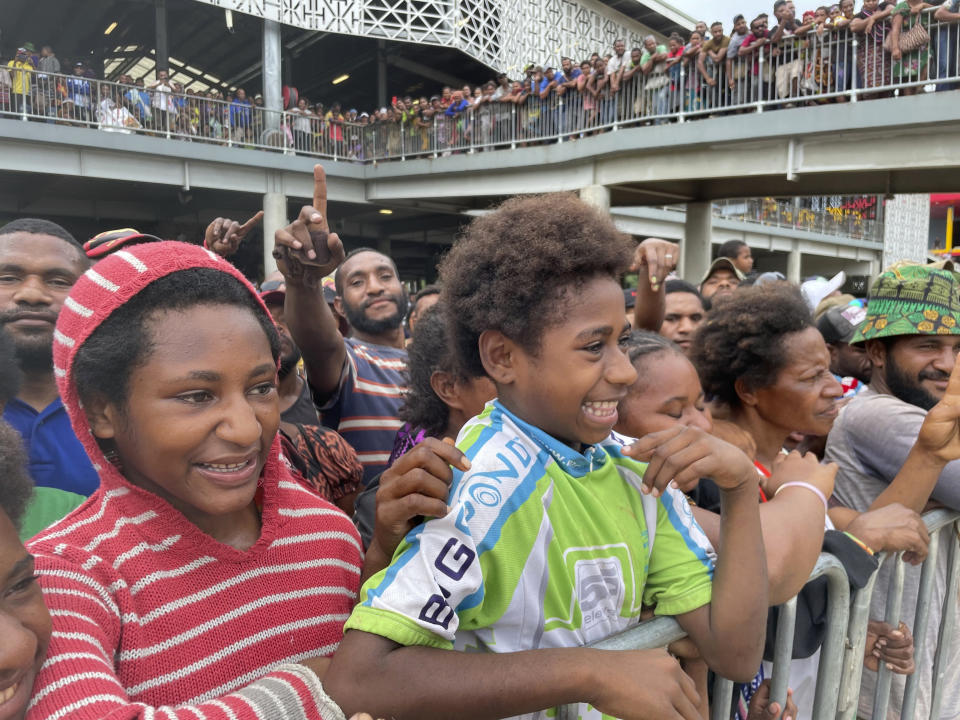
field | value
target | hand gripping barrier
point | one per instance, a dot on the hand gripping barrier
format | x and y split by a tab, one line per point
842	653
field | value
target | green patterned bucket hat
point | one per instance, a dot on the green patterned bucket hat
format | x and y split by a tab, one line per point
912	300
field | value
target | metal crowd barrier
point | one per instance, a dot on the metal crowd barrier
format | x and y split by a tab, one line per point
842	652
834	65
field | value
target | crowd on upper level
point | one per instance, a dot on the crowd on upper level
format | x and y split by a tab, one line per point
827	54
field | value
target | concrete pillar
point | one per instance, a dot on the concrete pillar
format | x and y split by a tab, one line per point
596	195
160	23
381	73
793	263
272	81
696	250
274	218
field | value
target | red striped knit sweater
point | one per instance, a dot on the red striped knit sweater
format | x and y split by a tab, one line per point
153	618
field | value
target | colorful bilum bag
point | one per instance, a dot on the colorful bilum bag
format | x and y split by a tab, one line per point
913	39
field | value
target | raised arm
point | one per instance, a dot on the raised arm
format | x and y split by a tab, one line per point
306	252
653	260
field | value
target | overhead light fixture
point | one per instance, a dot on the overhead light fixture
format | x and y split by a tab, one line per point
340	79
228	19
386	211
110	28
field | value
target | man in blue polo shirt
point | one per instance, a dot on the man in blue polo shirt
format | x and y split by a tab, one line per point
358	382
39	263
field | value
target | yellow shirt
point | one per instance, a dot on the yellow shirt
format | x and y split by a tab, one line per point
21	79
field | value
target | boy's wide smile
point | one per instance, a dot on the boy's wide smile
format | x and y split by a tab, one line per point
603	412
571	386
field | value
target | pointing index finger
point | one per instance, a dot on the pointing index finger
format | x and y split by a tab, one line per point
251	222
320	194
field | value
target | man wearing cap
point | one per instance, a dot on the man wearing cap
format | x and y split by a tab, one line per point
896	442
849	364
722	280
817	289
40	261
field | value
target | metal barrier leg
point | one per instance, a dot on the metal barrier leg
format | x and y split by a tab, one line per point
921	621
783	652
853	656
881	698
832	651
948	621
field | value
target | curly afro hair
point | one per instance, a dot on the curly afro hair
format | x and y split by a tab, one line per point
517	269
744	337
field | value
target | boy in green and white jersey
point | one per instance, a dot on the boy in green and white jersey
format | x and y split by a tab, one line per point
555	536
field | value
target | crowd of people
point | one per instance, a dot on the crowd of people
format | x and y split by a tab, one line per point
817	56
323	496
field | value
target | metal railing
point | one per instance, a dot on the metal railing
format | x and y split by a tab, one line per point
826	65
842	652
858	217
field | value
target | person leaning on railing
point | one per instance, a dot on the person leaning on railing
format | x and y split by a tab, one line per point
21	70
872	22
909	44
947	15
898	442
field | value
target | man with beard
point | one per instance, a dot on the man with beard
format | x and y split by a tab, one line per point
357	382
39	263
721	281
898	442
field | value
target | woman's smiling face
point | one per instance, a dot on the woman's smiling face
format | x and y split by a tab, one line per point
201	411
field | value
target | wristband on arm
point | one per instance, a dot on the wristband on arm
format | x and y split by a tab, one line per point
812	488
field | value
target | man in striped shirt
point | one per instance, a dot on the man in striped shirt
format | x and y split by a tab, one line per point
357	382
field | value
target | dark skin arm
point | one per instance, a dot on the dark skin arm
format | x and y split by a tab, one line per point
729	632
792	524
702	67
504	684
312	325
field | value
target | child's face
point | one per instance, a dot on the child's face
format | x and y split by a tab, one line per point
571	387
667	393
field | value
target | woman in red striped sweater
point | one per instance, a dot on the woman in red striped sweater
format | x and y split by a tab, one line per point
200	580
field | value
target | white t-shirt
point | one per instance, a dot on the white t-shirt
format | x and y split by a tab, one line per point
161	96
616	62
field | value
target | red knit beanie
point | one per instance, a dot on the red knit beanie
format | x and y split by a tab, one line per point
97	294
